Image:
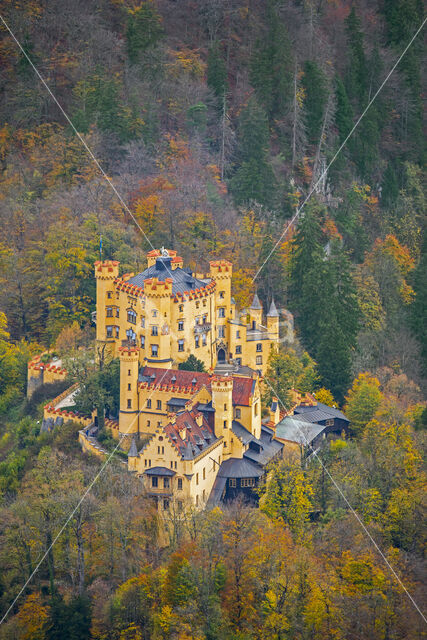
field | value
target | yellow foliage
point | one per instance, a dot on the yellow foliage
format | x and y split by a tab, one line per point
32	617
325	396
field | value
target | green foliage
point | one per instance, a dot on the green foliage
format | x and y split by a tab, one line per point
254	178
285	372
217	72
144	30
192	364
362	401
288	497
271	65
324	296
316	94
71	619
99	387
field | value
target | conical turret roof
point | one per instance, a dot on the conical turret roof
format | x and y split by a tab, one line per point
256	304
133	451
273	313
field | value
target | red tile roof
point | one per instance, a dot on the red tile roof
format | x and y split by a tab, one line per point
242	386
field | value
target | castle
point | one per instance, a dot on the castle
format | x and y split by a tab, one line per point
194	421
193	437
169	313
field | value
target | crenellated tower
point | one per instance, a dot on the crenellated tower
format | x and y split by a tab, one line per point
105	273
129	409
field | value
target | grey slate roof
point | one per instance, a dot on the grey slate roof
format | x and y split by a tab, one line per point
273	313
298	430
239	468
182	280
256	303
241	432
133	451
216	491
329	412
159	471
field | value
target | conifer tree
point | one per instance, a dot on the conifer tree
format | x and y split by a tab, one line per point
271	66
419	306
357	70
144	30
316	94
254	179
216	71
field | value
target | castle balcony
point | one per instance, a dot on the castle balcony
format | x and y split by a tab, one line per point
129	343
202	328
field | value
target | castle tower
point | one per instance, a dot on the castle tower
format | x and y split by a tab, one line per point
105	273
222	402
158	295
129	409
221	272
255	312
273	321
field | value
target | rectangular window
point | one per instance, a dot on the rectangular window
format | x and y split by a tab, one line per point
165	483
142	323
154	313
131	315
329	423
154	482
154	350
109	312
225	424
197	478
181	308
221	312
180	345
247	482
180	325
165	504
109	331
129	386
238	349
154	330
221	332
232	482
159	404
179	505
204	339
237	335
197	342
204	303
221	294
109	294
117	312
238	413
179	484
259	346
256	409
142	342
258	360
239	361
129	403
204	473
117	331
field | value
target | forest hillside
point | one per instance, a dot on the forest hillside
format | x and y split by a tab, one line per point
220	129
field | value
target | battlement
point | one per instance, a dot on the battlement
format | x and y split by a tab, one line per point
222	383
220	269
128	353
158	288
107	269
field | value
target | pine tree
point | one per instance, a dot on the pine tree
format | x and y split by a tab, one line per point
316	94
144	30
356	78
271	66
217	72
254	179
